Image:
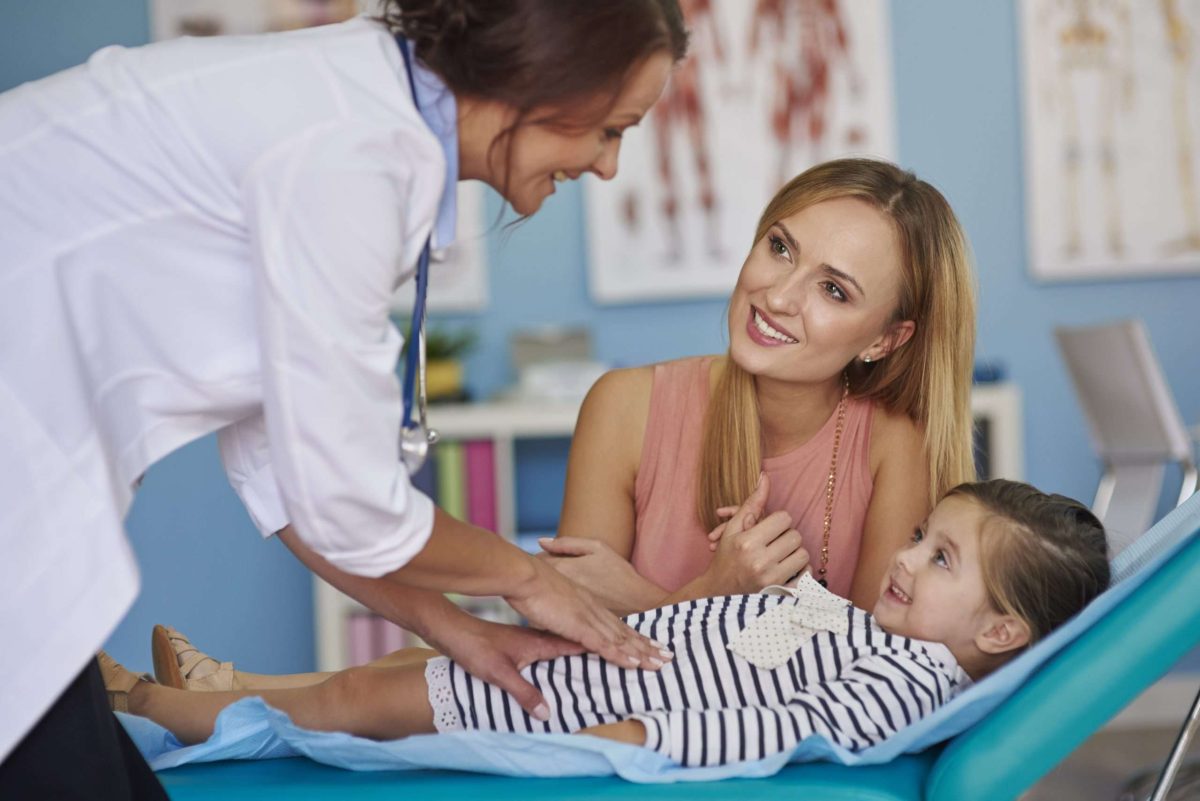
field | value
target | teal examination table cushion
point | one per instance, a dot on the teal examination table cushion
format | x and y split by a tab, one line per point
1030	714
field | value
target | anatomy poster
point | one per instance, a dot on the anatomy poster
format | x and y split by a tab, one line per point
770	88
457	275
1112	136
171	18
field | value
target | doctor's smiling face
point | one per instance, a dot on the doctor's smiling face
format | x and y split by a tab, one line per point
547	148
819	290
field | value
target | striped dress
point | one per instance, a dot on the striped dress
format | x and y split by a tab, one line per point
710	706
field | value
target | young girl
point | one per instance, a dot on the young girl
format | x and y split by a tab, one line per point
995	567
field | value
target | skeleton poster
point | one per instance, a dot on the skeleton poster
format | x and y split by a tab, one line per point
770	87
1112	134
458	274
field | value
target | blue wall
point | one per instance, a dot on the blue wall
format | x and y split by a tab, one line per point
957	85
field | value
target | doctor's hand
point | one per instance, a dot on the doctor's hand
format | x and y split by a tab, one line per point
553	602
595	566
496	653
752	551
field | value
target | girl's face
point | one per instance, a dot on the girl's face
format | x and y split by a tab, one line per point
542	155
819	290
934	589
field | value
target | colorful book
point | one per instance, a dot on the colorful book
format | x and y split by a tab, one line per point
451	489
425	479
480	458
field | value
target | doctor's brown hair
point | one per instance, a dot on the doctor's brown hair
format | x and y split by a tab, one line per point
563	60
1044	557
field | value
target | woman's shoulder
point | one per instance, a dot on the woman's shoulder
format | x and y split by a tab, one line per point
894	435
621	382
634	385
621	399
689	372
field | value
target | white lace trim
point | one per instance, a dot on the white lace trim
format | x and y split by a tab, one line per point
441	695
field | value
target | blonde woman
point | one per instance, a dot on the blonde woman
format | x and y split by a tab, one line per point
846	386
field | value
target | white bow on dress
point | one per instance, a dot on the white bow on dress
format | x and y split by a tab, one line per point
772	638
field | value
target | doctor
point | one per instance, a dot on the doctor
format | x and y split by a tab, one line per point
204	235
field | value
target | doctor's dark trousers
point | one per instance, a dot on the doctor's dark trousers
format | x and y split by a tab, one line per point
79	750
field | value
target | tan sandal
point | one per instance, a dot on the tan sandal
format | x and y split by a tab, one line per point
119	681
179	664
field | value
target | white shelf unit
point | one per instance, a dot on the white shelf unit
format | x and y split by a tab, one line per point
1000	405
506	422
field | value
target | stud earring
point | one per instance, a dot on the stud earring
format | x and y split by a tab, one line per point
866	359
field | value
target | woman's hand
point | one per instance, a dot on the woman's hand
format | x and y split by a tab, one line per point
553	602
751	553
592	564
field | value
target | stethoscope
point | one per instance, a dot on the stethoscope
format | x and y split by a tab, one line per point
416	438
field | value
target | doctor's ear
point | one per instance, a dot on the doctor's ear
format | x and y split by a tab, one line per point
1003	633
893	339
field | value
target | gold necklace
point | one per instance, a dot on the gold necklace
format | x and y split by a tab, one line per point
831	482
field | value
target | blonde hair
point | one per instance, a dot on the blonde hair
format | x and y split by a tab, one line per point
928	379
1043	557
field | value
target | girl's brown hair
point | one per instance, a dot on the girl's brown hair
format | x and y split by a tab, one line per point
1044	557
565	56
928	379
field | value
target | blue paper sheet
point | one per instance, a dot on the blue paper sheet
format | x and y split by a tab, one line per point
252	730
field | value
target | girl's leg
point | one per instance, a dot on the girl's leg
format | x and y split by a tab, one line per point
243	680
179	664
626	731
380	703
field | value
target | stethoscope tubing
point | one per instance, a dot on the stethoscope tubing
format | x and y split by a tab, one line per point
416	438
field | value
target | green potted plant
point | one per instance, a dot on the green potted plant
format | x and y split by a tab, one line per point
444	352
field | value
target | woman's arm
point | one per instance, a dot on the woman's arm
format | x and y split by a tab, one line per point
606	449
899	501
596	529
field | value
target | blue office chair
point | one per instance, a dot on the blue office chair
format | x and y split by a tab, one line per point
1133	421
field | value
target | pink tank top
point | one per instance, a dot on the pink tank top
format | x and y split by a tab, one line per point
671	547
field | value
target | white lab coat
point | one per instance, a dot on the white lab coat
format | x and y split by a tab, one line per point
195	236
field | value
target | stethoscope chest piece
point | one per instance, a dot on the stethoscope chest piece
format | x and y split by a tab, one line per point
415	443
